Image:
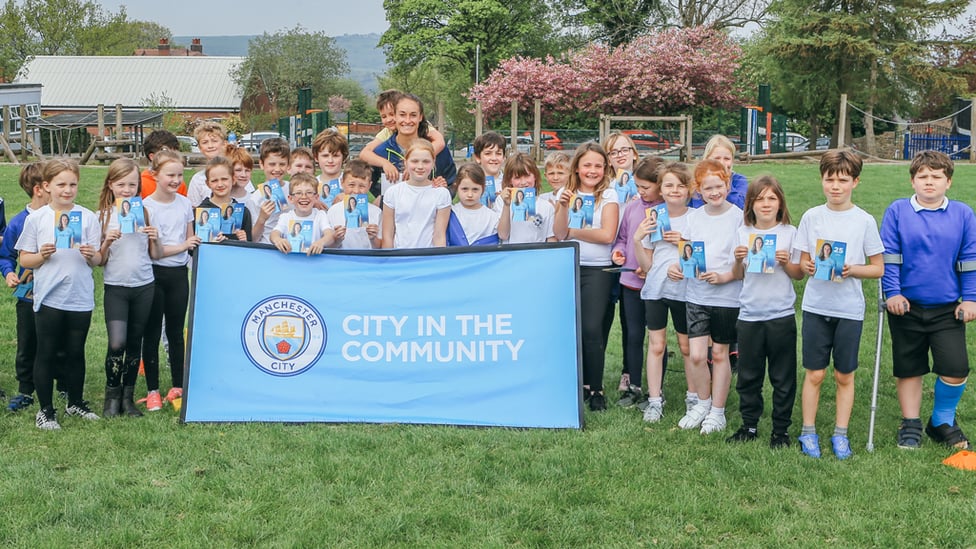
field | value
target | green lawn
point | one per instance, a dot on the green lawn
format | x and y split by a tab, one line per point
619	482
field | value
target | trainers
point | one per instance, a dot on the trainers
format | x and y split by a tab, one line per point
598	402
47	419
693	419
630	397
80	409
624	382
713	423
949	435
744	434
841	446
173	394
654	411
19	402
910	434
810	445
153	401
779	440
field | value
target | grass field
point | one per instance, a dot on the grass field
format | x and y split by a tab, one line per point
619	482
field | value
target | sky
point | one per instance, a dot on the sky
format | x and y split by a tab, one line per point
245	17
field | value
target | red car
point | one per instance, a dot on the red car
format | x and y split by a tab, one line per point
647	140
550	140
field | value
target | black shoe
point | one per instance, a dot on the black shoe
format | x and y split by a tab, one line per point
744	434
113	402
598	402
949	435
779	440
910	434
128	406
630	397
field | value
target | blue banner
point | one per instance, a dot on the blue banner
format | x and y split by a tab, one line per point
466	337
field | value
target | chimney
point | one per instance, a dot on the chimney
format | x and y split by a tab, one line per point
163	46
196	46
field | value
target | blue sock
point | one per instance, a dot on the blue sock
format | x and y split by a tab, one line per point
946	399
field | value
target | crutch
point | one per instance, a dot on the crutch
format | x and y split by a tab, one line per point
877	367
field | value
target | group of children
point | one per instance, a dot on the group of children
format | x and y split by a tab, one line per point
716	253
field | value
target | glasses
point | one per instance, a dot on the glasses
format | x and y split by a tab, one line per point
304	193
621	152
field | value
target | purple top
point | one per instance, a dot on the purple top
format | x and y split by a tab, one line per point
634	213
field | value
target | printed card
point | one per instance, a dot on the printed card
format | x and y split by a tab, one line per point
25	290
625	187
488	197
329	191
131	214
207	225
829	260
762	253
300	235
692	258
661	221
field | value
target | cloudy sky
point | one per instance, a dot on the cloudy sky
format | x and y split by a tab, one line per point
196	18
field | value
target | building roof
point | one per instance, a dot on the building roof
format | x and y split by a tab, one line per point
190	83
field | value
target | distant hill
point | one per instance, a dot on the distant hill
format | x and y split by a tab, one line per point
366	61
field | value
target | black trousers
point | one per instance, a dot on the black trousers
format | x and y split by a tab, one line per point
632	331
170	299
61	337
595	287
126	313
26	347
772	343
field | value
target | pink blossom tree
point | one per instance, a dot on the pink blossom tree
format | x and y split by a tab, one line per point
668	72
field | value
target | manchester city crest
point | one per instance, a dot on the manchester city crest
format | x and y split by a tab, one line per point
283	335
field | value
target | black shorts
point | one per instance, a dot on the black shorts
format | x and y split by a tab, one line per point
921	330
656	314
717	322
826	335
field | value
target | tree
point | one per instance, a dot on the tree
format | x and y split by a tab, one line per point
718	14
878	53
663	73
65	27
616	22
280	64
449	33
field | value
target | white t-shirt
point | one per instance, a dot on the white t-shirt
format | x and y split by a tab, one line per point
533	229
129	264
415	212
319	219
720	233
478	223
657	285
197	190
170	219
592	254
64	281
859	231
253	205
767	296
356	238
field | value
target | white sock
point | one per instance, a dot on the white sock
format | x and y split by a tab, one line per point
691	396
654	400
707	403
717	411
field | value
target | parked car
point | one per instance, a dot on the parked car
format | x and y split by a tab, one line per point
823	143
188	144
524	144
550	140
251	142
648	140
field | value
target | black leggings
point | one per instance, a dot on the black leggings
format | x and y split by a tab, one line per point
172	294
595	306
126	314
61	337
26	347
